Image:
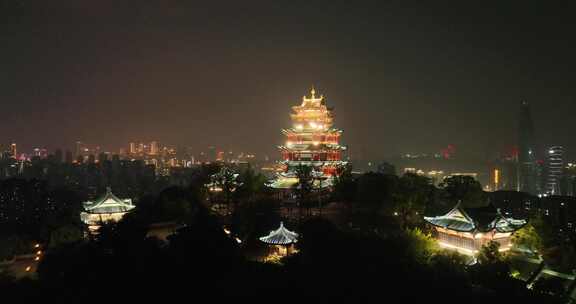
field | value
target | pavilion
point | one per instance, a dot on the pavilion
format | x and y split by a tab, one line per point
281	241
466	230
108	208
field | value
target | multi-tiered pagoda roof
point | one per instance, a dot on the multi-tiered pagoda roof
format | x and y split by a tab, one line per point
311	141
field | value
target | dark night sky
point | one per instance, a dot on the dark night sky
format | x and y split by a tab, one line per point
402	77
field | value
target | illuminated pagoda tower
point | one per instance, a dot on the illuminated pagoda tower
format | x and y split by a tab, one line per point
313	142
108	208
466	230
281	241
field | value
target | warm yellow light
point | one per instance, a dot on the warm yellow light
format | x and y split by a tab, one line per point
239	241
28	268
39	252
37	246
459	249
299	127
316	143
496	176
37	258
478	235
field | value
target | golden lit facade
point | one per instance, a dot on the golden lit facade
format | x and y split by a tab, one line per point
312	141
466	230
108	208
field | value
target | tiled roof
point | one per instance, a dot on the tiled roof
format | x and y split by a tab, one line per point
481	219
281	236
109	203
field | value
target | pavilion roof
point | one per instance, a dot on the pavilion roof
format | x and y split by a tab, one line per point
478	219
281	236
109	203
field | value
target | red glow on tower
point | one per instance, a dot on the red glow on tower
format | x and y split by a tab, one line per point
448	152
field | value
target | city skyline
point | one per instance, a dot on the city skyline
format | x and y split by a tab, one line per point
210	76
194	149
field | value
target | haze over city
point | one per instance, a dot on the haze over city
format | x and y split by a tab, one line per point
402	77
392	149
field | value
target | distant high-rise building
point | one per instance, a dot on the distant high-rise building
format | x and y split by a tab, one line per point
212	153
102	157
132	148
69	158
568	180
555	168
58	155
79	148
448	152
154	148
386	168
40	152
527	165
91	158
220	156
503	171
13	150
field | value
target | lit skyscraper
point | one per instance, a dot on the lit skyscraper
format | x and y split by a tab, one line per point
132	148
154	148
13	150
527	166
555	166
79	148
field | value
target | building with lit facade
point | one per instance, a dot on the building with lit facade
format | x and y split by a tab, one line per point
466	230
108	208
14	150
311	141
555	169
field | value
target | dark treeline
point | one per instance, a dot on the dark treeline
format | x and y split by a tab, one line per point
380	248
200	258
